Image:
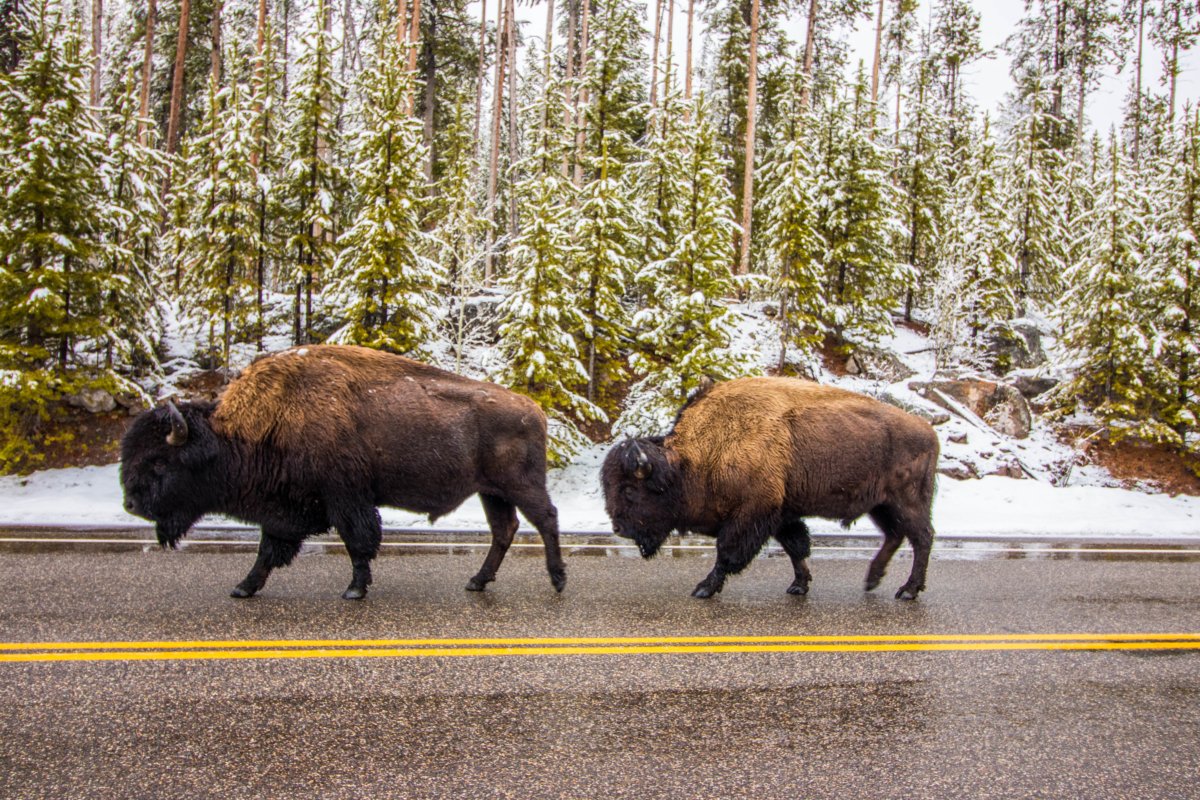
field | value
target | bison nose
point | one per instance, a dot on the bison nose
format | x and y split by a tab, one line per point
620	531
130	506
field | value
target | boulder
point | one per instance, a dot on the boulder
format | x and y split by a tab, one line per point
1013	345
1031	386
94	401
878	364
1012	470
481	313
956	471
1001	407
933	414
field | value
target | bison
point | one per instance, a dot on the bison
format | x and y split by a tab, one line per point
318	437
749	459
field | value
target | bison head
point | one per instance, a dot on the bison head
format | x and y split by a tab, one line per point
642	492
168	458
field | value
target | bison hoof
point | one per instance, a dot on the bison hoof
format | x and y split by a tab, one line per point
870	584
475	585
906	594
798	588
559	580
702	591
241	593
354	593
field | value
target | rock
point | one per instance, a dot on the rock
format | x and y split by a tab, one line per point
1031	386
957	471
1013	345
1002	407
1011	415
960	438
878	364
1012	470
94	401
481	313
927	411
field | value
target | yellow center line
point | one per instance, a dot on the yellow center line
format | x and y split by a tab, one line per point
361	648
882	647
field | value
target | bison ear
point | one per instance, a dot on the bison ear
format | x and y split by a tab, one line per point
644	467
179	429
706	383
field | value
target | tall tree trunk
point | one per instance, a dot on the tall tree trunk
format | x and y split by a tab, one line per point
479	90
494	161
654	54
582	97
177	85
512	115
430	92
751	100
878	50
1081	60
546	71
414	33
1137	94
687	79
670	35
401	21
809	43
216	41
147	68
572	16
260	44
97	27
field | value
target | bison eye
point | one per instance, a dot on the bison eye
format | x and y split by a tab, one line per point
630	493
159	466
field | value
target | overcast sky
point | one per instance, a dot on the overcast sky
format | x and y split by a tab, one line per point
986	81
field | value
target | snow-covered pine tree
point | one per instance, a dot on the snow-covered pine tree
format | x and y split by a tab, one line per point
794	243
1032	187
384	283
1173	275
974	247
457	224
1104	314
266	127
55	215
686	328
222	249
541	357
312	177
858	218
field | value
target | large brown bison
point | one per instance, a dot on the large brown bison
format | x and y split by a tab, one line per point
318	437
750	458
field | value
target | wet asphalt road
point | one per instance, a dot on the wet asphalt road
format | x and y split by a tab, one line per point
919	724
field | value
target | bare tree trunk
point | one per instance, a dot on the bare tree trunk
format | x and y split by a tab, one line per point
654	54
743	266
260	43
670	34
479	90
809	41
582	97
216	41
185	9
430	92
97	27
1084	49
512	115
572	14
878	48
147	65
414	33
687	80
494	162
1137	95
546	72
401	21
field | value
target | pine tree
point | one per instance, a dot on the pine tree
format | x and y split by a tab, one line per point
686	327
312	178
540	314
266	127
384	282
1104	313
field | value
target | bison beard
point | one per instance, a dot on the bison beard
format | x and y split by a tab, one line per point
749	459
318	437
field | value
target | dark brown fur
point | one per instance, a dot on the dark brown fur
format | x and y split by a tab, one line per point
319	436
749	459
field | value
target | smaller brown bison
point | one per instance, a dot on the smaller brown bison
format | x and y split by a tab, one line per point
749	459
318	437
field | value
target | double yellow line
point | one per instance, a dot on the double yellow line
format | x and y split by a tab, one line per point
621	645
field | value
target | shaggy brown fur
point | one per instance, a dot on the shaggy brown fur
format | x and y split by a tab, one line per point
749	458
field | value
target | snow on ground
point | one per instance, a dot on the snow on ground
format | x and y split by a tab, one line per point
1064	496
992	506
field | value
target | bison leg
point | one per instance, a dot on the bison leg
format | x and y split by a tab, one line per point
542	514
502	519
737	544
898	525
361	532
273	551
794	538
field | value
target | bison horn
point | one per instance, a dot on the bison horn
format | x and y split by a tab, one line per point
179	429
643	463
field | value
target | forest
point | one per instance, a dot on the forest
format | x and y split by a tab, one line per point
269	173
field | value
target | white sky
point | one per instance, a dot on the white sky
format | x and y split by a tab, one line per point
986	81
